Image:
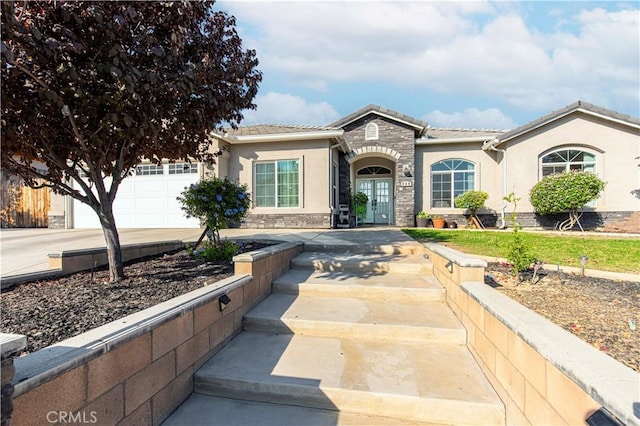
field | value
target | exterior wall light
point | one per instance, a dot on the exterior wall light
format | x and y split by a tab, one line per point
223	302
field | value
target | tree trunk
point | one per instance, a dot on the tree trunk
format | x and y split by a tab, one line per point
114	252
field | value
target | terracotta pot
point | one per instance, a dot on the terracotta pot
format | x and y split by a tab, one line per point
438	223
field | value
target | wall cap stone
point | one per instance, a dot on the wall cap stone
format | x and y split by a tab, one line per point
169	244
11	344
262	253
39	367
606	380
461	259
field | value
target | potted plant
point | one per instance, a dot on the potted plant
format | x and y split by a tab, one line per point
359	202
438	222
422	218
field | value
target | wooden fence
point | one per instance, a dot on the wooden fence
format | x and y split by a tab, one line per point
21	206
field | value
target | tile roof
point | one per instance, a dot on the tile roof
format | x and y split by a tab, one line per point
274	129
384	111
448	133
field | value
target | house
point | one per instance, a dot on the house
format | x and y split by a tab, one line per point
300	175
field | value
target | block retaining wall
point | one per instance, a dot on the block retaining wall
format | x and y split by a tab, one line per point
139	369
543	374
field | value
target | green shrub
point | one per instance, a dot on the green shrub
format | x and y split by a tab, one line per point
217	202
423	215
565	192
222	250
471	200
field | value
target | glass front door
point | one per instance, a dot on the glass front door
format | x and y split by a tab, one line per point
380	205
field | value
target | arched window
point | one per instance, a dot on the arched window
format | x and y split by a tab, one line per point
450	178
564	160
371	131
373	170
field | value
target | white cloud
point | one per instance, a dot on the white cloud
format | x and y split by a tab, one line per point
458	48
491	118
280	108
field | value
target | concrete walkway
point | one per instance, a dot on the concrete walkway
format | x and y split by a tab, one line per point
26	250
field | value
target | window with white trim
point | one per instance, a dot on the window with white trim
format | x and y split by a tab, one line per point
567	159
371	131
149	169
450	178
277	183
182	168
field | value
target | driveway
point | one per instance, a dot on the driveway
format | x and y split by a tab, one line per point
26	250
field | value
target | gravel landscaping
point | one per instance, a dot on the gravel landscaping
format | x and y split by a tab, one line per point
602	312
49	311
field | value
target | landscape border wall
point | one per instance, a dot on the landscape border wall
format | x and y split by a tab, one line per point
139	369
69	261
542	373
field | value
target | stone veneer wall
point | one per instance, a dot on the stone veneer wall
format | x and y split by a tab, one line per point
402	140
607	221
145	372
294	220
56	222
543	374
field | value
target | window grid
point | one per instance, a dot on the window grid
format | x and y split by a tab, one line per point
183	168
450	178
277	184
149	169
565	160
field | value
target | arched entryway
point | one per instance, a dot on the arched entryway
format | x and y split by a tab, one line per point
374	176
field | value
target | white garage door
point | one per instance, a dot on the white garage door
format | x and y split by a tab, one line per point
147	199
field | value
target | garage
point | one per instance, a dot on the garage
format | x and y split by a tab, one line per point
147	199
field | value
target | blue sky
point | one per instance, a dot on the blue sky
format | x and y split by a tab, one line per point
472	64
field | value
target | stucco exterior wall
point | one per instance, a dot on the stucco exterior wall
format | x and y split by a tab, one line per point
314	172
488	174
616	148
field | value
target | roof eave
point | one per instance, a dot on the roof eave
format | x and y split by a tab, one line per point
281	137
562	115
467	139
421	129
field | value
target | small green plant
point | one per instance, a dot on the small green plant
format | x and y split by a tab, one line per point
423	215
472	201
566	192
518	252
222	250
359	203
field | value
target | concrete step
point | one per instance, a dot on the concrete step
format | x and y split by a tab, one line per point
405	380
430	322
406	247
390	287
205	410
372	264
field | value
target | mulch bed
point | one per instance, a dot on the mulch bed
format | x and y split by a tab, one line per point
597	310
604	313
50	311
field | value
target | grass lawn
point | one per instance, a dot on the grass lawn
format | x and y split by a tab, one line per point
604	253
